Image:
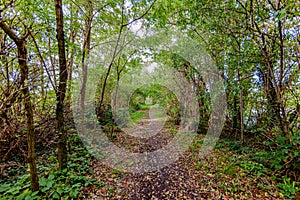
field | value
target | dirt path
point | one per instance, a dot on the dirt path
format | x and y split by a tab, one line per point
187	178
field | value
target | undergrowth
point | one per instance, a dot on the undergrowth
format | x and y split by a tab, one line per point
54	183
277	160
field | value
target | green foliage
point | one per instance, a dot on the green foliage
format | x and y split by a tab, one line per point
104	114
160	95
55	184
20	190
144	107
138	98
260	163
253	168
136	116
285	155
264	187
266	64
235	146
288	188
229	169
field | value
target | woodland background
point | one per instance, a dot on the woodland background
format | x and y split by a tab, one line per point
254	43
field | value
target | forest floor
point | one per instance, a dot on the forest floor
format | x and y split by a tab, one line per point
223	174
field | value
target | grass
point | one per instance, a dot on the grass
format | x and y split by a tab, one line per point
136	116
144	107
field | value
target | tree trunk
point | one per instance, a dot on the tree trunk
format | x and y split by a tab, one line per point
85	54
241	107
70	55
235	117
61	91
22	59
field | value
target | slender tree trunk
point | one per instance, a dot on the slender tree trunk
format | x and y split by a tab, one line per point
72	38
241	106
112	61
85	54
281	75
235	117
61	91
22	59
